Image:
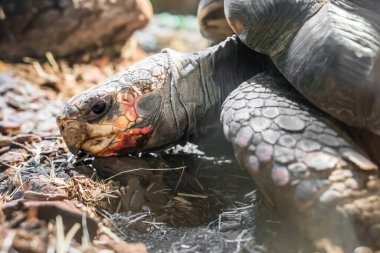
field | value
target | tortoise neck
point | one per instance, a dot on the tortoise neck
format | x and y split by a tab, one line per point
204	79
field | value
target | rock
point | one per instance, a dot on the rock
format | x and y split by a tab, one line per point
32	28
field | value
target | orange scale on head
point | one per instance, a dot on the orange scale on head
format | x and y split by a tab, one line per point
134	131
121	122
127	139
146	130
123	140
131	114
131	124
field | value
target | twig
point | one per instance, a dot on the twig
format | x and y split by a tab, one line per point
52	61
86	235
144	169
42	73
179	180
7	243
108	232
192	195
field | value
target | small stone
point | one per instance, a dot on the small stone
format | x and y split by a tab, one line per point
259	123
320	161
270	136
287	141
290	123
8	128
280	176
270	112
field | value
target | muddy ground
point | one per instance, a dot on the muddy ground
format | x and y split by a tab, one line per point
180	201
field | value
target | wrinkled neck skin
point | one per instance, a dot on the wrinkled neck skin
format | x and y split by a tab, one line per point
201	81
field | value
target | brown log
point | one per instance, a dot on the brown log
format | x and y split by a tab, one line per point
34	27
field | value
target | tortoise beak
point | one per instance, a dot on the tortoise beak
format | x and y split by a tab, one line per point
73	133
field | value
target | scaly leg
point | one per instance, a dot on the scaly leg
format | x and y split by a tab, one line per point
305	164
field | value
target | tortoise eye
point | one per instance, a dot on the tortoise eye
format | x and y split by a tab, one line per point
99	107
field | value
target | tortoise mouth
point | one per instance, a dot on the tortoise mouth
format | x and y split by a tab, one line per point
73	132
117	143
95	145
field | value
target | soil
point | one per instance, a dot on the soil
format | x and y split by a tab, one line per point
53	201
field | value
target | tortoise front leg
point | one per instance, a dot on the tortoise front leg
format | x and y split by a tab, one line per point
305	164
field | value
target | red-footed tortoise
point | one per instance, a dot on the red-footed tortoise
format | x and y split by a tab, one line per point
298	91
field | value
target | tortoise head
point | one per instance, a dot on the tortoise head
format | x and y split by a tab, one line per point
125	113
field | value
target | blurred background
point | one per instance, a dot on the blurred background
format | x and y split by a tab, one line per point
176	7
65	47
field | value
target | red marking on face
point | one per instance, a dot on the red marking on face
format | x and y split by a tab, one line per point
144	130
125	140
127	102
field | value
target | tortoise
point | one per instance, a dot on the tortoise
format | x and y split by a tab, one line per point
298	94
